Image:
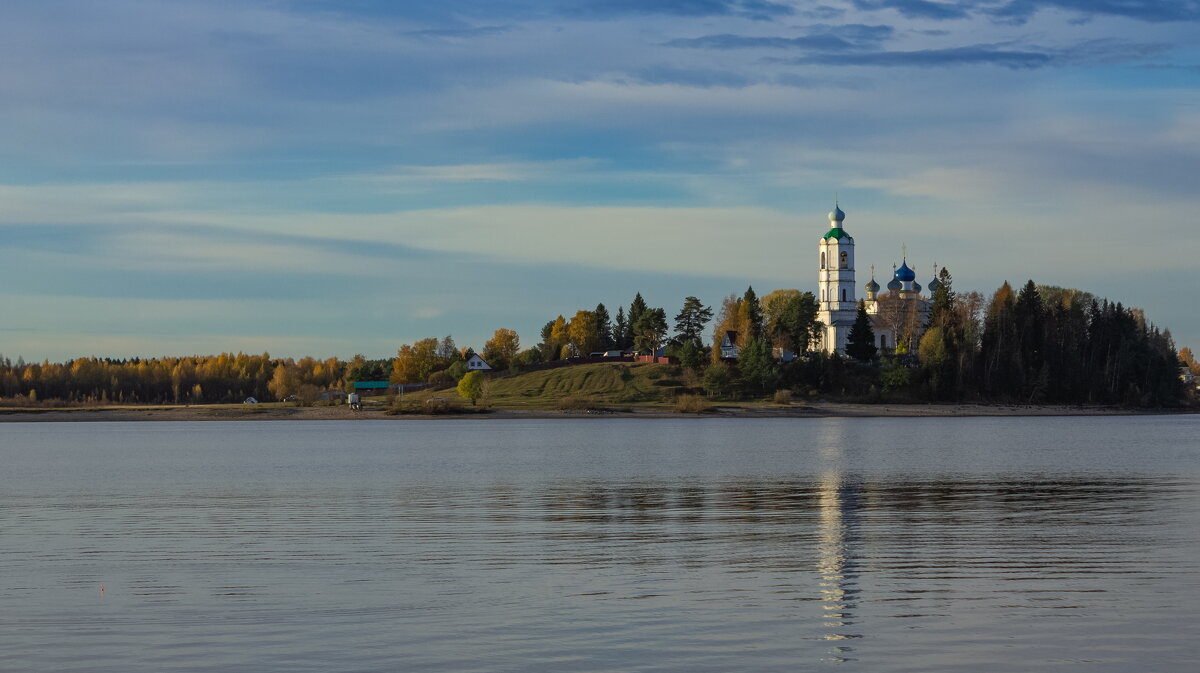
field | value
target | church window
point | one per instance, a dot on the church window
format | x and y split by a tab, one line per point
843	295
822	260
845	260
883	341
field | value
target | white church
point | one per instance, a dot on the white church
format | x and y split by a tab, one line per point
900	313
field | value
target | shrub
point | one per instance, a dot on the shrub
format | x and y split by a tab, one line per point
441	379
574	403
783	397
692	404
457	369
434	406
895	375
470	386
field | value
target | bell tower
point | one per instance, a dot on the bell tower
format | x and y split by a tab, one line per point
835	283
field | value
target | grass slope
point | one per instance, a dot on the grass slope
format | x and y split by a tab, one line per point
581	386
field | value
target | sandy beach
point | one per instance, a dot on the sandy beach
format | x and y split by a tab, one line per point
811	410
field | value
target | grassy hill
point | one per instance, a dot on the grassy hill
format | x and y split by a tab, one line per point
600	385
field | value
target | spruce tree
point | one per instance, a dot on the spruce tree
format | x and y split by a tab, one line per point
603	327
636	308
754	314
620	329
1029	315
861	340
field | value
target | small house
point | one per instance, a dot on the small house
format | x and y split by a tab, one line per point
477	363
729	349
365	388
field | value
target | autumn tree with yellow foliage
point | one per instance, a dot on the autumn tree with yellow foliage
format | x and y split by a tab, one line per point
500	350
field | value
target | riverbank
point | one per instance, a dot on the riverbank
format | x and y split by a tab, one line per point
810	410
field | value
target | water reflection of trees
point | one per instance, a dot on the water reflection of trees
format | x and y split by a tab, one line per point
839	550
781	524
786	502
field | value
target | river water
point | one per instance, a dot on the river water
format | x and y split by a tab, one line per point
960	544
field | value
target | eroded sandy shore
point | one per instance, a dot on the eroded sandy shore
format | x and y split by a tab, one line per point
812	410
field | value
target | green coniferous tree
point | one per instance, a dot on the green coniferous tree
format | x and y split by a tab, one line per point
690	322
756	365
620	330
861	340
1000	374
797	326
603	327
1029	316
636	308
650	330
754	314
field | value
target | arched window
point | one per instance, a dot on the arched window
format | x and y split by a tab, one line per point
845	257
883	341
822	260
843	295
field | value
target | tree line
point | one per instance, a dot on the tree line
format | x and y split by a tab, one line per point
1042	344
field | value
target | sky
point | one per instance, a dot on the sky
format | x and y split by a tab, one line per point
325	178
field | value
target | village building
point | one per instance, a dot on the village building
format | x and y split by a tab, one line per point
729	347
476	363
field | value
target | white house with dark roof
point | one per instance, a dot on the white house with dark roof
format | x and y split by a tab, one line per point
476	363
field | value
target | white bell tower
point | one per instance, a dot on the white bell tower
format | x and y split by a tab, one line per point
835	283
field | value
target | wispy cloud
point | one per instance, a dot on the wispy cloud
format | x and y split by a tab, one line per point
917	9
972	55
1003	55
1142	10
752	9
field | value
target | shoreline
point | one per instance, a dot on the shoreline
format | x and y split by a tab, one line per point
812	410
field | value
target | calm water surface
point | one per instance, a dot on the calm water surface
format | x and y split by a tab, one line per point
975	544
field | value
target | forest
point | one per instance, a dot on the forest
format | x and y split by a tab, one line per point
1038	345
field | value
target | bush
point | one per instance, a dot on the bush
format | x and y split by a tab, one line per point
783	397
573	403
718	382
470	386
434	406
895	375
457	369
692	404
441	379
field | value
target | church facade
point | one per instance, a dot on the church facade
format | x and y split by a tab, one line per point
898	316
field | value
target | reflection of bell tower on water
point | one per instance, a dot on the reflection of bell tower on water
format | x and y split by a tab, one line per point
838	505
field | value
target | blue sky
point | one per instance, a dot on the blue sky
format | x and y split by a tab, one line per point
327	178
